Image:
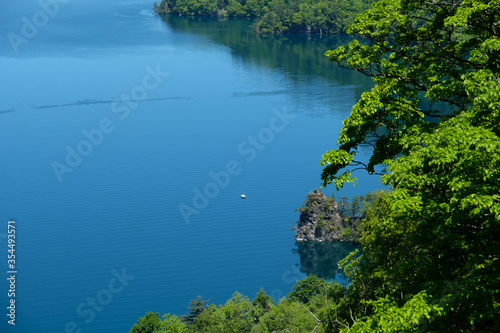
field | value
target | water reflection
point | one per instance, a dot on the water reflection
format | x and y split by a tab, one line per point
299	56
322	258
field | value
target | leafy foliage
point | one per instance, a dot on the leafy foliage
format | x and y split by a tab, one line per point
305	310
388	317
286	316
430	246
305	289
151	323
427	59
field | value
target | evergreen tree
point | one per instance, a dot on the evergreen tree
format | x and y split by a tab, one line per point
196	307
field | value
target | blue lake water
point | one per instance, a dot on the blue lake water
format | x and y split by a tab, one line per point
113	121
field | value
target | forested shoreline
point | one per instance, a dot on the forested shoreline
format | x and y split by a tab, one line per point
430	259
274	16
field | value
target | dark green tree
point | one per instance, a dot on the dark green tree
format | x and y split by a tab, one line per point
196	307
262	303
306	288
344	207
355	206
287	316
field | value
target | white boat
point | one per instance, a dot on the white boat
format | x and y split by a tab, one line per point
243	196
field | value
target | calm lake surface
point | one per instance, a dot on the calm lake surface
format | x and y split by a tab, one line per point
126	142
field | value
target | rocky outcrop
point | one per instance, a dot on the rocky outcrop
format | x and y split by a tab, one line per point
320	221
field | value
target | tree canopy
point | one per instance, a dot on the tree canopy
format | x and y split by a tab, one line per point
430	60
431	247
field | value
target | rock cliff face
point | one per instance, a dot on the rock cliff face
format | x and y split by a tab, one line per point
320	221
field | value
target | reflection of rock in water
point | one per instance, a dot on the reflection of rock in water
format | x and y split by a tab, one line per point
322	258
